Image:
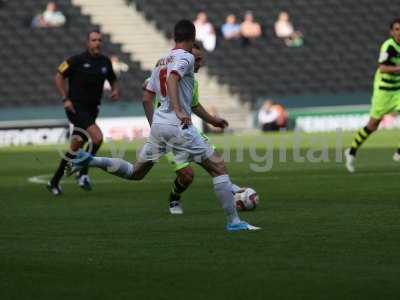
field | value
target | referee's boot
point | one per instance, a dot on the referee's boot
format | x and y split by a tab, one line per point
84	182
55	189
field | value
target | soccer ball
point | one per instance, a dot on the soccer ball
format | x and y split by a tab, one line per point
246	199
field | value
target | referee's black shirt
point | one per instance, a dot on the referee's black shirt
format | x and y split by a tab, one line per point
86	75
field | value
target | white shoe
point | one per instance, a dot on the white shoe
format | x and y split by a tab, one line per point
175	208
56	190
396	156
350	160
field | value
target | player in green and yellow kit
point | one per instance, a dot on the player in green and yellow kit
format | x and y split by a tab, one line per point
386	94
184	179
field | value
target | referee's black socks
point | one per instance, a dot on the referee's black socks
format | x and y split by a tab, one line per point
359	139
93	150
61	167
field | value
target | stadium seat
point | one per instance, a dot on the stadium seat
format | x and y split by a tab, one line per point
328	62
30	56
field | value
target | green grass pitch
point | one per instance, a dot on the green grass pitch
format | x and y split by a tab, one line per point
325	234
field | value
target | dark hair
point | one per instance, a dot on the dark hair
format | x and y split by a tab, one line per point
184	31
92	31
395	21
198	45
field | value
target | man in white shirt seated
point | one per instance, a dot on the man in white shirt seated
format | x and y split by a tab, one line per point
272	117
205	32
284	30
50	17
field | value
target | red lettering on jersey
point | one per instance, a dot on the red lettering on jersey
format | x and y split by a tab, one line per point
163	82
165	61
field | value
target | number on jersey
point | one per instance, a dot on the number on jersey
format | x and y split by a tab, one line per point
163	82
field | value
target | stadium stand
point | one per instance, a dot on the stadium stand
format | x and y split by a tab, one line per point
30	56
338	56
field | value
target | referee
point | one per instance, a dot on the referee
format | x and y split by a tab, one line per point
86	74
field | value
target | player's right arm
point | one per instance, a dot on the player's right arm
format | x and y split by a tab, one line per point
182	66
386	54
172	90
64	70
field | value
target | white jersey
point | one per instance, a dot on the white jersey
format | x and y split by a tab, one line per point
180	62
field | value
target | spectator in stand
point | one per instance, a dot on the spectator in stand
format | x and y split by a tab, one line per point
272	117
284	30
231	29
205	32
282	115
50	17
119	67
249	29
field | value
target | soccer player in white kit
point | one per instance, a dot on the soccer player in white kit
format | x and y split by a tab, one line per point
184	177
172	80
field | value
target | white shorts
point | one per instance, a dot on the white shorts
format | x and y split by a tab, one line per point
186	144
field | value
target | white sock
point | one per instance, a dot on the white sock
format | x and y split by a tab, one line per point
114	166
235	188
223	189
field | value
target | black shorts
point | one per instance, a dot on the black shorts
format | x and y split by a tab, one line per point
83	118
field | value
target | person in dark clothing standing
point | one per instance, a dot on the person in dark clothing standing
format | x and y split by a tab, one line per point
86	74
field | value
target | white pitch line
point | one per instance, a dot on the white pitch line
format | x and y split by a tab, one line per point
39	179
44	178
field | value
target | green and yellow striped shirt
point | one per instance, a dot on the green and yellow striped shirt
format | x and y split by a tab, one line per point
389	55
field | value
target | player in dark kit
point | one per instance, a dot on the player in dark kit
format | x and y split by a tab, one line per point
86	74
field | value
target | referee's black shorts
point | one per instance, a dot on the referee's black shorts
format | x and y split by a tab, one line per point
83	118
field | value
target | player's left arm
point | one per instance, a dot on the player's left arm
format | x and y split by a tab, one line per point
149	88
203	114
148	106
385	57
389	69
112	79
